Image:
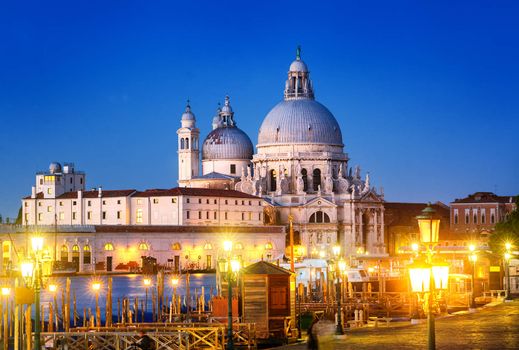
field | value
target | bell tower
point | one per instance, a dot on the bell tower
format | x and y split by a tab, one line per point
188	150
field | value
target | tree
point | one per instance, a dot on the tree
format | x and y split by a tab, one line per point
19	217
506	231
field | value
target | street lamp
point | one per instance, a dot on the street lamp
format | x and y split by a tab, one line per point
507	257
427	278
336	249
473	258
96	287
229	266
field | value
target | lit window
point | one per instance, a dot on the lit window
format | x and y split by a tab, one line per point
268	246
173	200
143	246
139	201
109	246
139	216
250	215
75	248
49	190
176	246
155	201
208	246
49	209
40	216
89	215
238	246
86	248
62	216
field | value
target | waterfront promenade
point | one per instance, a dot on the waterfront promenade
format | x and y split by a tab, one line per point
493	327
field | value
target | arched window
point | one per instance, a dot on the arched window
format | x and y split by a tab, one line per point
187	143
176	246
143	246
64	252
365	223
238	246
304	176
182	143
319	217
316	179
87	255
208	246
273	178
109	247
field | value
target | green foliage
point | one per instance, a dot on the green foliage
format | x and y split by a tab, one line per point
19	217
506	231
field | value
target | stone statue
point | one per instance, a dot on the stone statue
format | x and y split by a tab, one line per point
300	185
328	184
357	172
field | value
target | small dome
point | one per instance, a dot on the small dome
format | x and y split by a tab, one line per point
188	115
55	168
300	121
298	66
227	109
227	143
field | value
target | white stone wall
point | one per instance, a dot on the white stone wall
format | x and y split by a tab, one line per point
223	166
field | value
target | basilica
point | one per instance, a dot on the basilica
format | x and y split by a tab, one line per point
299	168
227	189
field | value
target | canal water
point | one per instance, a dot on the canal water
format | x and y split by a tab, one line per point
126	286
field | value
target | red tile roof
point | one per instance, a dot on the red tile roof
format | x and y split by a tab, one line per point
485	197
95	194
189	191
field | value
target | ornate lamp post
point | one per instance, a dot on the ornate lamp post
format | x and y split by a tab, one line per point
336	253
473	257
427	278
33	276
507	257
230	267
96	287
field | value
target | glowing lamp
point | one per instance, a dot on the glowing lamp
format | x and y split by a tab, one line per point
6	291
420	277
508	245
227	246
322	254
37	244
268	246
429	225
507	256
336	249
414	247
53	288
175	281
235	265
342	265
146	281
441	276
27	269
472	247
96	286
473	257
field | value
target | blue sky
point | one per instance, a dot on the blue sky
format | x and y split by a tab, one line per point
426	93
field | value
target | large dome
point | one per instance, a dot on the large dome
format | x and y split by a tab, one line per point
300	121
227	143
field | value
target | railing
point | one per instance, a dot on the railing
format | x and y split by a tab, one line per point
193	335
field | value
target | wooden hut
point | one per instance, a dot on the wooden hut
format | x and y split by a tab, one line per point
268	299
